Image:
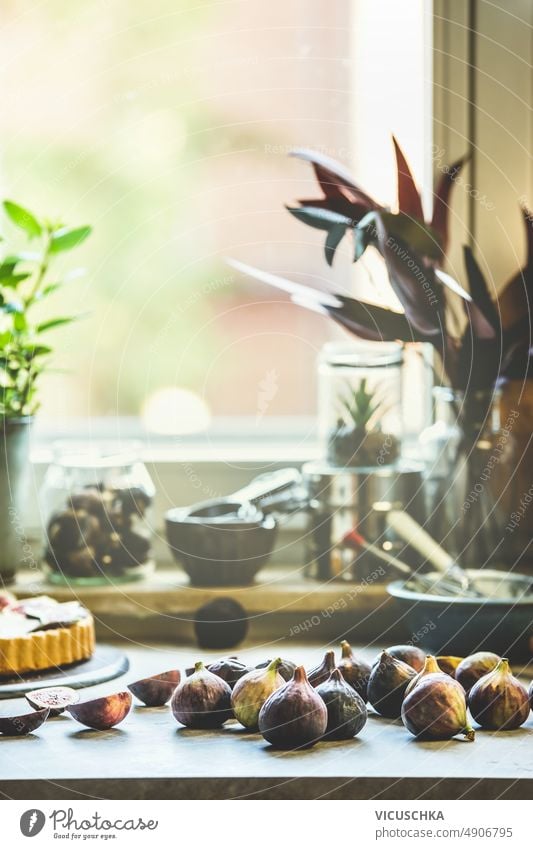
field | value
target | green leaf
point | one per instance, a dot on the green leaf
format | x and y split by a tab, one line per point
66	238
19	322
14	280
54	322
333	241
322	219
22	218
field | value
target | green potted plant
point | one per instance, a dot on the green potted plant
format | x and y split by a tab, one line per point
25	282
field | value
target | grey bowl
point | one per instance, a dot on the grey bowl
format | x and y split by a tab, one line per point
501	621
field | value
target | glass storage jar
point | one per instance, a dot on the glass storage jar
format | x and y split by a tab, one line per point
360	403
95	503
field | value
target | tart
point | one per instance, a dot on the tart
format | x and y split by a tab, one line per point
40	633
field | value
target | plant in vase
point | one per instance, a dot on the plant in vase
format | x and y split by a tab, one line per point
25	283
477	352
358	438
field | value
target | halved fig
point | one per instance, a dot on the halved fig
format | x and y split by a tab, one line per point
156	690
102	713
54	698
25	723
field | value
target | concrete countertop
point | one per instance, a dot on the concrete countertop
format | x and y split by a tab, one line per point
151	756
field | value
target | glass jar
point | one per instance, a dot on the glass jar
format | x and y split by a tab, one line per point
95	503
360	403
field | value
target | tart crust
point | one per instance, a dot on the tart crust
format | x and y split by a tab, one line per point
48	648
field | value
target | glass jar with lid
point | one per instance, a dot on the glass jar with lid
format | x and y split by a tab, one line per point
360	403
95	503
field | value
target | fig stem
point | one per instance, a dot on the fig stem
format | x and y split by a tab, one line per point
274	665
469	733
198	666
346	649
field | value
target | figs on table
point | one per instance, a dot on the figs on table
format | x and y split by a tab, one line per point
474	667
202	700
156	690
435	709
56	699
102	713
346	709
387	684
431	667
411	655
294	717
22	724
251	692
355	670
499	701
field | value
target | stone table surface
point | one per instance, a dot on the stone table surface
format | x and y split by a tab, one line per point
150	756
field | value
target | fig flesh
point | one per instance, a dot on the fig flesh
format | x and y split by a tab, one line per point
26	723
294	717
387	684
156	690
286	668
103	713
499	701
321	673
431	667
56	699
346	709
203	700
354	670
251	692
436	709
474	667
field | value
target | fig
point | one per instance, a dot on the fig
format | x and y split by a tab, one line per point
286	668
156	690
431	667
230	669
436	709
56	699
103	713
321	673
346	709
203	700
474	667
294	717
220	624
387	684
251	692
499	701
449	663
531	695
411	655
18	726
354	670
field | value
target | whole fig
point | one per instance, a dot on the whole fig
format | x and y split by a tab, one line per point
474	667
531	695
411	655
251	692
347	712
295	716
354	670
321	673
498	700
431	667
436	709
387	685
203	700
448	663
286	668
230	669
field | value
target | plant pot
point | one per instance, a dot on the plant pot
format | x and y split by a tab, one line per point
14	465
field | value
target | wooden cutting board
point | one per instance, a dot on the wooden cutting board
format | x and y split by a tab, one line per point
106	663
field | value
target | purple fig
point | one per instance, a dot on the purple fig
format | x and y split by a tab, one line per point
531	695
387	684
411	655
431	667
354	670
436	709
498	700
156	690
103	713
295	716
346	709
203	700
230	669
448	663
286	668
321	673
56	699
18	726
251	692
474	667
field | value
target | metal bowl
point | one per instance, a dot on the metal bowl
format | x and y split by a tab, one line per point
218	550
500	621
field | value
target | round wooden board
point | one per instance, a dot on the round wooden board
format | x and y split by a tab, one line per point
106	663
